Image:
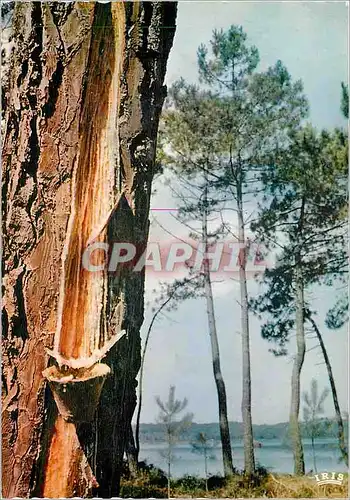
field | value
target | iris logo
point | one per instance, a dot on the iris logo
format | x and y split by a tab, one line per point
329	478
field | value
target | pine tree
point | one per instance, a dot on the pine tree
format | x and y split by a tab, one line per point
197	205
313	411
82	105
203	445
301	220
227	128
173	425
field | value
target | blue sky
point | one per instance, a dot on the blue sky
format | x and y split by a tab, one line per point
311	40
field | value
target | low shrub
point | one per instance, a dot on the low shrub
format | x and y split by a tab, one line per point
189	483
215	482
155	475
150	481
128	489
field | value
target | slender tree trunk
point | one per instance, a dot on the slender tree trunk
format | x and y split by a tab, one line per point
299	464
206	469
219	381
341	433
313	452
82	114
169	467
249	458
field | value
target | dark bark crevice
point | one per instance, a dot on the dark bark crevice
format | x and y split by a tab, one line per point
54	85
19	321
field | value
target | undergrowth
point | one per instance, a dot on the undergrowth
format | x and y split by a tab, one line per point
151	482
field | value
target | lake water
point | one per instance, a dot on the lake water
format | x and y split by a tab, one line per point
274	455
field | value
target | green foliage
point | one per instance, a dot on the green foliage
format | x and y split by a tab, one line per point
189	483
266	486
203	445
301	219
149	482
227	136
233	59
132	489
173	426
239	136
215	482
313	408
245	116
169	410
338	315
344	100
6	12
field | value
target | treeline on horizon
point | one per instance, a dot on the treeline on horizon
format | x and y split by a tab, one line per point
154	432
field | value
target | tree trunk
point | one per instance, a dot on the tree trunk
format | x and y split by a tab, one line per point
206	469
313	452
249	459
169	466
131	453
299	464
83	105
219	381
341	434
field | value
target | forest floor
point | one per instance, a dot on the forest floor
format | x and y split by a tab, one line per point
152	484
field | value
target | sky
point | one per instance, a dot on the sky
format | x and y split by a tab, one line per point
311	40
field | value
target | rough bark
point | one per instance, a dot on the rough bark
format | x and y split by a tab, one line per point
249	458
341	433
219	380
295	434
131	452
82	113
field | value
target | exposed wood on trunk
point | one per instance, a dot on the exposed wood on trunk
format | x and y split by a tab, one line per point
66	456
81	327
84	100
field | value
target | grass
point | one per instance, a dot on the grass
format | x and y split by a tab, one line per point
152	483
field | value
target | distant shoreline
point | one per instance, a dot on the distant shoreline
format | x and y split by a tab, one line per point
153	432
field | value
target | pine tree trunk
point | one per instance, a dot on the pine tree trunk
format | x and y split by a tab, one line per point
206	469
249	459
313	452
219	381
82	114
341	433
169	466
298	453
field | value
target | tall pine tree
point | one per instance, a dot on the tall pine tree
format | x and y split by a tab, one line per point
227	128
